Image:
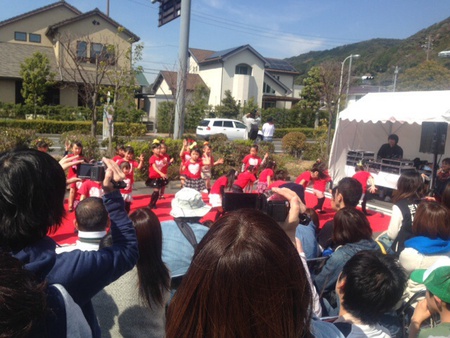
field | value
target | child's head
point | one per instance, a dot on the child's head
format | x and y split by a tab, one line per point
271	165
206	148
251	168
156	148
120	150
163	147
359	166
254	150
126	167
318	170
195	154
129	153
445	164
77	148
280	175
42	146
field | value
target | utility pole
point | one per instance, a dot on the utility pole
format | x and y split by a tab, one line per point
178	128
107	8
395	78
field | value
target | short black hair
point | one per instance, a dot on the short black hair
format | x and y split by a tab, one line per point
393	137
351	191
91	215
374	283
32	188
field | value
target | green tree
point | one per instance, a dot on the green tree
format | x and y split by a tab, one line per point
229	107
196	108
37	77
249	106
429	75
166	115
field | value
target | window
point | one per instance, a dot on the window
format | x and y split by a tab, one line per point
267	89
82	51
240	125
102	53
243	69
96	51
20	36
34	38
228	124
217	124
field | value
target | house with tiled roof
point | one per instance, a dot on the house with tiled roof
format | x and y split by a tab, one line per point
66	36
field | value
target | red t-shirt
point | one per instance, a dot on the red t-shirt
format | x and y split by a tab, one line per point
304	176
159	163
321	184
186	156
73	169
251	160
193	170
245	178
133	165
166	163
117	158
222	181
362	177
91	189
129	181
265	174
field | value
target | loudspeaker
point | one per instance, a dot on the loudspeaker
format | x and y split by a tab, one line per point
433	137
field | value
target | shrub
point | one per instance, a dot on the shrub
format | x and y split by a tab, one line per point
91	149
33	143
294	143
11	138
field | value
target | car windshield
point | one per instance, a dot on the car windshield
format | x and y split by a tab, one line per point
204	123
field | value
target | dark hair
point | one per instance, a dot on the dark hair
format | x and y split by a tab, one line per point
32	188
409	186
251	168
231	176
120	147
23	299
41	144
393	137
125	165
270	119
79	145
254	146
156	145
91	215
351	191
445	198
195	149
280	175
350	226
246	280
431	220
445	161
129	149
270	164
152	272
374	283
321	169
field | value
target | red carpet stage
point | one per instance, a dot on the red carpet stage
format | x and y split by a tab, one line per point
65	234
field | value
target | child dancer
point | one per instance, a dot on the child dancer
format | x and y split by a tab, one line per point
310	175
363	177
266	177
192	171
222	184
156	177
245	180
253	159
167	162
77	153
120	153
319	186
185	155
208	163
129	157
129	181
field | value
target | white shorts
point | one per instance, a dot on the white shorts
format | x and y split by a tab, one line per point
215	200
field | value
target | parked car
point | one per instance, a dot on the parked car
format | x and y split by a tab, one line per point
233	129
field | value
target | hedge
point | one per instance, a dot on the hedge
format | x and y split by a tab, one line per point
59	127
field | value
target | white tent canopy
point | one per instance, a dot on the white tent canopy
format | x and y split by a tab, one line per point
366	124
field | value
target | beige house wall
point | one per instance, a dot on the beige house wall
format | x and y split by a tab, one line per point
7	91
36	24
212	76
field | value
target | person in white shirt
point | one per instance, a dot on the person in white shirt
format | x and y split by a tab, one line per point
268	130
91	221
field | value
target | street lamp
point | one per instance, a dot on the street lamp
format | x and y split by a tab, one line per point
348	80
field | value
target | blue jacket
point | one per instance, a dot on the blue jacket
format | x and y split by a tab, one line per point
327	278
428	246
84	273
